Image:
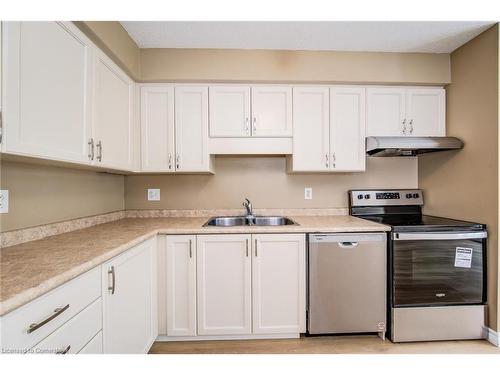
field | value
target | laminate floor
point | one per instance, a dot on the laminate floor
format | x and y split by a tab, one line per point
362	344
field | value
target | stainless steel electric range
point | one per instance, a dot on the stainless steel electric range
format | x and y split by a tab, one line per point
436	267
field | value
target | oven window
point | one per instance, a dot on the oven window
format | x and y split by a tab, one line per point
434	272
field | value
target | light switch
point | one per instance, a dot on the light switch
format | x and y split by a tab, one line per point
153	194
308	193
4	201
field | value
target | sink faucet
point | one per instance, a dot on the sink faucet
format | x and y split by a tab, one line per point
248	205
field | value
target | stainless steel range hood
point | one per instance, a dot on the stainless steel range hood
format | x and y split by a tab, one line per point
410	146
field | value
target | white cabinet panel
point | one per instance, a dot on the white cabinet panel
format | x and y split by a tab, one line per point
385	111
271	111
278	283
425	112
229	111
46	103
181	285
157	128
311	128
191	128
224	284
112	126
347	128
94	346
130	300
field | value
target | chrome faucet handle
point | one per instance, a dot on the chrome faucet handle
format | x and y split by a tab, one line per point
248	205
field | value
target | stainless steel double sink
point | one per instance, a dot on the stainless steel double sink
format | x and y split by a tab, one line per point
233	221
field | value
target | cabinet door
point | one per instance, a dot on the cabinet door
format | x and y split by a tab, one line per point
224	284
311	129
191	128
426	112
46	102
347	129
130	300
157	128
271	111
278	283
229	111
181	285
385	111
113	117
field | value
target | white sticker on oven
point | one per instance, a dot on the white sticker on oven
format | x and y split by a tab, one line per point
463	257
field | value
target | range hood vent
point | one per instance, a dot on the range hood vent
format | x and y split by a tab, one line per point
410	146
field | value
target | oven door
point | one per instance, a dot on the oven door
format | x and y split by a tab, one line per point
430	269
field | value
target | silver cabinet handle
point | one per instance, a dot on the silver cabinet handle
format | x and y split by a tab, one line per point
254	125
177	161
91	148
111	272
64	351
411	126
169	161
99	149
190	248
326	160
57	312
247	128
334	160
246	248
255	248
404	126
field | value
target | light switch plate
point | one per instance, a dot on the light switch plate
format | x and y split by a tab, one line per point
153	194
308	193
4	201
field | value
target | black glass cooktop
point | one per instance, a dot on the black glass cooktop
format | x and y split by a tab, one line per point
412	223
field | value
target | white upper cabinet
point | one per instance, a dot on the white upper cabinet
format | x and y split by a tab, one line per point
181	285
278	283
385	111
271	111
347	128
425	112
397	111
47	97
311	128
191	129
157	128
130	314
112	127
224	284
230	111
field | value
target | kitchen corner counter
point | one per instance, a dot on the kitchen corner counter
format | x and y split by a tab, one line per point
33	268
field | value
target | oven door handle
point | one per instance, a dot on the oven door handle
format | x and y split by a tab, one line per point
438	236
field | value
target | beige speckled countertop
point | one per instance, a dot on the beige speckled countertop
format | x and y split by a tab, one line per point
33	268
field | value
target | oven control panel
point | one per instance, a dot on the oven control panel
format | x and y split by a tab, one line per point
403	197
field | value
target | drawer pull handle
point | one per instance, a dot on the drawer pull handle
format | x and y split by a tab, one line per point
113	280
64	351
57	312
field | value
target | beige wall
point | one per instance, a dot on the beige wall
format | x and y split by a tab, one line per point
115	41
41	194
464	184
293	66
264	181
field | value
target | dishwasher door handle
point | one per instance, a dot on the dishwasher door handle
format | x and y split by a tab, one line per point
347	245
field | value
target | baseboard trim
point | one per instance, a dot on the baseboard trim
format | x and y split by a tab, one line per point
164	338
492	336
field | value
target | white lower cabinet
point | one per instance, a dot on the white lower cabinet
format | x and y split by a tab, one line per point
224	284
234	285
181	285
278	283
130	320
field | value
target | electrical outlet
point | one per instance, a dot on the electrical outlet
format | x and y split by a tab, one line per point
4	201
153	194
308	193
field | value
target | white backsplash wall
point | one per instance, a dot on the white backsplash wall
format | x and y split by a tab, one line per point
265	182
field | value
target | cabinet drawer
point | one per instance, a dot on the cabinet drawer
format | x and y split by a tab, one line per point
94	346
49	312
72	336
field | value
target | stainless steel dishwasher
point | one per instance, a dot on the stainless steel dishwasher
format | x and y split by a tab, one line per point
347	279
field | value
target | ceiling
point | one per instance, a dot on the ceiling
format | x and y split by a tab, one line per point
430	37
